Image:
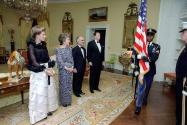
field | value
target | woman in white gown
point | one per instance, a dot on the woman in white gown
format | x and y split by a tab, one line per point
42	92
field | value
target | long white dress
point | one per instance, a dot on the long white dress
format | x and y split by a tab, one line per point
42	97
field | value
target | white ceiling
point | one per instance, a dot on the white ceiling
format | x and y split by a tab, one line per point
65	1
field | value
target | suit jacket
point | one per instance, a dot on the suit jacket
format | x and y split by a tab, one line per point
94	55
79	60
153	54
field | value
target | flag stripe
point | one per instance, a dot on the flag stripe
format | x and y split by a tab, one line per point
140	43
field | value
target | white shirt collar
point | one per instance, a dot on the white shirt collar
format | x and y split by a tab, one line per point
150	43
96	41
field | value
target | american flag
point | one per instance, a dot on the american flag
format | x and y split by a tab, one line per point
140	43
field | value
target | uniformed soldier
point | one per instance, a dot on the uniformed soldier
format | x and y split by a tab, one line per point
153	54
181	73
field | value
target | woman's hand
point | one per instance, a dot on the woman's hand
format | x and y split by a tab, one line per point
50	71
70	70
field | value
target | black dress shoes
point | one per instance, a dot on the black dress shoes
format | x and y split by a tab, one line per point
66	105
99	90
77	95
91	91
49	113
82	93
138	110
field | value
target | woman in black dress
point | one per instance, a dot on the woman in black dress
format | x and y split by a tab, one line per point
42	93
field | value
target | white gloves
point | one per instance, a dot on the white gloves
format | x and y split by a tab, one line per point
136	73
132	65
90	63
139	56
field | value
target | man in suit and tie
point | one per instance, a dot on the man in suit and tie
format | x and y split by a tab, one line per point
79	57
95	57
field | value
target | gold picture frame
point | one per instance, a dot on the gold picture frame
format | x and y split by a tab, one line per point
130	22
98	14
67	25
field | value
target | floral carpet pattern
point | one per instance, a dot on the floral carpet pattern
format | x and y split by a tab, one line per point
99	108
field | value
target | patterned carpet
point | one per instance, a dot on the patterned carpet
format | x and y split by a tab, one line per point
100	108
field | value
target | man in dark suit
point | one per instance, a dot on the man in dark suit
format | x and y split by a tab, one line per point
153	54
79	57
95	56
181	73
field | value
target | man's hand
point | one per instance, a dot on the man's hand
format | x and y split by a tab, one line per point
136	73
90	63
103	65
132	65
140	56
74	70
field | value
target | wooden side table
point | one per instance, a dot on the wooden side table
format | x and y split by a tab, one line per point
8	88
171	76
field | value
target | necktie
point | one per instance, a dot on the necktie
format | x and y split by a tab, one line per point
82	50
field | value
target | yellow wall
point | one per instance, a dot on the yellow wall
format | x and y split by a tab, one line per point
10	20
79	11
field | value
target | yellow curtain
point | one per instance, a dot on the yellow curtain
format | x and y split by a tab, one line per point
25	28
44	23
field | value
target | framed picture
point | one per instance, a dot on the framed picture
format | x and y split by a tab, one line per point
98	14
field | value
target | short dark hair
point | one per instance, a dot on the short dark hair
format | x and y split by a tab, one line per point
96	32
62	38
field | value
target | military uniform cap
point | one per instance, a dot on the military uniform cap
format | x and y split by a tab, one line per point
150	30
184	27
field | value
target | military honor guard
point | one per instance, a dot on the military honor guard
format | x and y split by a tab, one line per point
181	73
153	54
